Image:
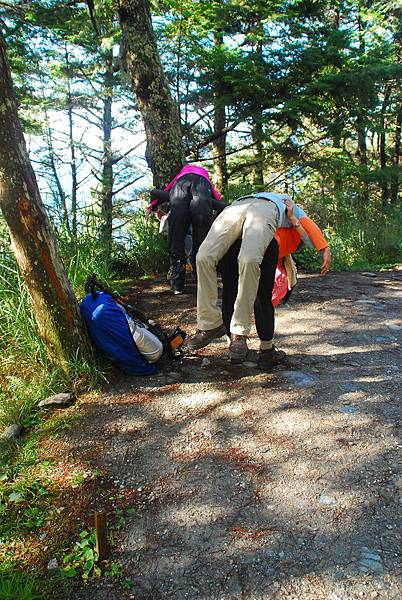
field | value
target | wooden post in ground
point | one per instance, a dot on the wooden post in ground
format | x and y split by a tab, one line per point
102	546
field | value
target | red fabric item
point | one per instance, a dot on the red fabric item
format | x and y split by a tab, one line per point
281	285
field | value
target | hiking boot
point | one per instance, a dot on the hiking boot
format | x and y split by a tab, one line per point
176	271
269	358
203	338
176	274
238	348
177	286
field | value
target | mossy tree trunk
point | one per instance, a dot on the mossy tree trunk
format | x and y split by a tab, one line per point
56	310
165	151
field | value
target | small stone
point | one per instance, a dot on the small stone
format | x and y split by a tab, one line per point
327	500
52	564
286	406
58	401
349	410
369	274
299	379
205	362
42	536
371	565
384	339
394	326
370	555
12	432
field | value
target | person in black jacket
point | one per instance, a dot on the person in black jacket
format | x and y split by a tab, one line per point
191	199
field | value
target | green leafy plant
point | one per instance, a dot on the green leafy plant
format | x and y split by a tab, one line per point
127	584
115	570
82	559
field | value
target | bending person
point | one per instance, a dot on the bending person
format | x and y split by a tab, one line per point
191	197
254	219
303	232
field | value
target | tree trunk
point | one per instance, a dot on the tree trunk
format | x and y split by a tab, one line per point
257	133
383	154
395	177
61	196
395	161
219	144
107	167
56	310
165	151
258	166
73	162
219	148
362	155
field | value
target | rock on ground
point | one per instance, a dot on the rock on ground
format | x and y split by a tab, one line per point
58	401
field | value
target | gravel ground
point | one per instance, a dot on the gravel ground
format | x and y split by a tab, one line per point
252	485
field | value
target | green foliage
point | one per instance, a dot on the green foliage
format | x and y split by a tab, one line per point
114	571
83	557
26	375
147	250
16	585
82	257
24	503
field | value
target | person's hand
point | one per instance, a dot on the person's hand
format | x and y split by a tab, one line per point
326	261
289	208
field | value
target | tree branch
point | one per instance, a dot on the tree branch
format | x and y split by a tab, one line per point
214	137
123	187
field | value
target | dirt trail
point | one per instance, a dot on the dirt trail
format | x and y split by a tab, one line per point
256	486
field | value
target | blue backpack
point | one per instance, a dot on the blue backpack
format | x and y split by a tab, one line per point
110	334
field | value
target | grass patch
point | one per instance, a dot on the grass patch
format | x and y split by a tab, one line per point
16	585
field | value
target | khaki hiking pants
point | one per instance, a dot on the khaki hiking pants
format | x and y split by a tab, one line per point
255	220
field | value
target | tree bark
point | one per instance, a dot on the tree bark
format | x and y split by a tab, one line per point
55	307
219	144
361	129
219	147
107	161
257	135
61	196
73	162
395	173
396	154
165	151
383	153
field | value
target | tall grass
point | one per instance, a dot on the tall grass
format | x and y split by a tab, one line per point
16	585
26	374
147	251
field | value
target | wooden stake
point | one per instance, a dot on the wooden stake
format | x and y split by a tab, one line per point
102	546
